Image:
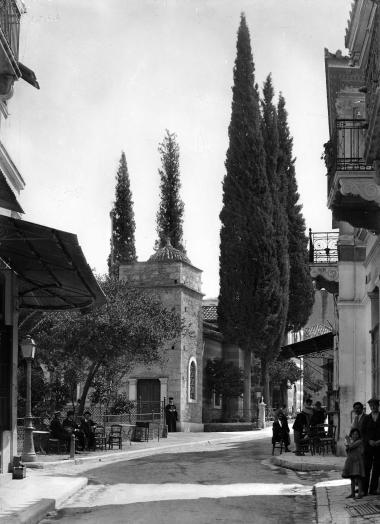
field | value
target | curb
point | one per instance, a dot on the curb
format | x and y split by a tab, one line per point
322	506
304	466
32	514
35	512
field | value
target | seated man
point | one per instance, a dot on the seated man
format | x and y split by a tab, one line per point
281	431
70	426
300	428
87	427
57	430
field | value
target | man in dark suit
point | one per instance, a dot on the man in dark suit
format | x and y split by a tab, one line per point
357	423
57	430
371	440
171	415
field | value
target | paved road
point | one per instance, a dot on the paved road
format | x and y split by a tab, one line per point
213	483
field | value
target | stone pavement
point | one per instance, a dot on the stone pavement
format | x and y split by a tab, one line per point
54	479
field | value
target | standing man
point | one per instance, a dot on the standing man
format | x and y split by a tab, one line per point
371	440
171	415
357	423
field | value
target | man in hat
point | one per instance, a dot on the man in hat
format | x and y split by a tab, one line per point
70	426
371	440
171	415
88	428
58	431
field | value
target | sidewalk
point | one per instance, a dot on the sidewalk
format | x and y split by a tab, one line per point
331	503
53	479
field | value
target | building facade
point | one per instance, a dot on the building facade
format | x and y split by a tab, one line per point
352	157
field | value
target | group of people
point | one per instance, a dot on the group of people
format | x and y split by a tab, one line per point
309	416
362	464
83	431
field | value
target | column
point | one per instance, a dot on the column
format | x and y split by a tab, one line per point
163	388
132	389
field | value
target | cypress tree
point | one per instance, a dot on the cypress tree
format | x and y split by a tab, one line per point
279	299
301	291
170	213
123	222
246	248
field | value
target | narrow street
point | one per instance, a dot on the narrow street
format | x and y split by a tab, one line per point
227	483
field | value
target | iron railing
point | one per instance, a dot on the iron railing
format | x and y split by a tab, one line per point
10	24
350	142
323	247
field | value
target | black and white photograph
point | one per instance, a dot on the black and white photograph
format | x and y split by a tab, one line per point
189	261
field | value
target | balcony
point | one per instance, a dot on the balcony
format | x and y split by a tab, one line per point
10	15
323	260
353	192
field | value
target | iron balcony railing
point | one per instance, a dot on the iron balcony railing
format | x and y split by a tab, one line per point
323	247
350	141
10	24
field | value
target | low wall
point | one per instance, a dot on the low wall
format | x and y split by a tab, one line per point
229	426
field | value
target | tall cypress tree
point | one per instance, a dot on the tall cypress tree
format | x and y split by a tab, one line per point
170	213
123	222
301	291
279	298
247	261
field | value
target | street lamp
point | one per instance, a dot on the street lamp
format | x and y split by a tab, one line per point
28	348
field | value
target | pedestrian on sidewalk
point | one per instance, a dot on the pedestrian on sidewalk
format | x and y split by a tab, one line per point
354	466
371	440
300	428
359	416
171	415
280	431
318	416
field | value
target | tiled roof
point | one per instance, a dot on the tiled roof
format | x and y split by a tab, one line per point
210	313
315	331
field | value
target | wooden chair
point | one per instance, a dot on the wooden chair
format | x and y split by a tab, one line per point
278	445
115	436
328	442
100	437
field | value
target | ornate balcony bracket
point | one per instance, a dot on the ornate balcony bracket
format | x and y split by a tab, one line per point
363	187
325	277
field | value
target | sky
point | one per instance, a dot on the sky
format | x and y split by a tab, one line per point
114	74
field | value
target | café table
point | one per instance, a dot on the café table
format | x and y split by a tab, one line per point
40	439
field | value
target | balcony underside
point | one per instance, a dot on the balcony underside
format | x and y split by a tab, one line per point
325	276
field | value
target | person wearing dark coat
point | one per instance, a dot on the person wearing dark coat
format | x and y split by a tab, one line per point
300	426
371	441
171	415
357	423
57	430
318	416
70	426
88	428
281	431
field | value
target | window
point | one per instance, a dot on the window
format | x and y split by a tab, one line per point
192	380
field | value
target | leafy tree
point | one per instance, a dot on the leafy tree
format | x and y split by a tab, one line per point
279	299
224	378
170	213
123	222
301	291
247	257
284	371
129	328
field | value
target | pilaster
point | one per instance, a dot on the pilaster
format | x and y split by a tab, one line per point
132	388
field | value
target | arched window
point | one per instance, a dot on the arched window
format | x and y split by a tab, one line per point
192	380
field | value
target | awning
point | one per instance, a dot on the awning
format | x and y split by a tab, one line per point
52	271
308	346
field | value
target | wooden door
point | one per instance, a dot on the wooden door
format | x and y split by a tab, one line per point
148	395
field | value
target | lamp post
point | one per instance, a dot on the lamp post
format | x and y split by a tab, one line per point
28	348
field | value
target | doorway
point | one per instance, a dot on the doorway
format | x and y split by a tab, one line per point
148	396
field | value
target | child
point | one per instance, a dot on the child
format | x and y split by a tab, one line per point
354	465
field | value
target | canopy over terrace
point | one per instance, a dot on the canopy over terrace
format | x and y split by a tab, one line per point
52	271
308	347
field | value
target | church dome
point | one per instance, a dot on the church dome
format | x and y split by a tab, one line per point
168	253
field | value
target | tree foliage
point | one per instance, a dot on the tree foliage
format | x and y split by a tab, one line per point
278	301
129	328
171	209
284	371
301	291
123	222
224	378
